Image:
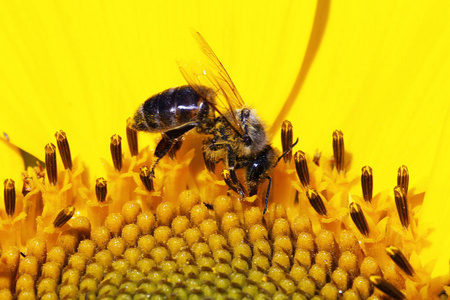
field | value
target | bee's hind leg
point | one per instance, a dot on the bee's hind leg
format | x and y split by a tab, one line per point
169	139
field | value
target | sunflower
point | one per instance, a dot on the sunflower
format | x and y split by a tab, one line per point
93	223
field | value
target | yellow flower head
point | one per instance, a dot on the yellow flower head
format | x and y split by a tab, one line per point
338	222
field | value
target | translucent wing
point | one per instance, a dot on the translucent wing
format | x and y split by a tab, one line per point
211	74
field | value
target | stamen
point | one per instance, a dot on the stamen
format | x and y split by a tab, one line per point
316	158
302	168
403	179
386	287
400	260
286	139
358	218
101	189
316	201
402	206
176	146
147	178
50	163
367	183
64	149
132	139
64	216
9	193
338	150
116	151
28	185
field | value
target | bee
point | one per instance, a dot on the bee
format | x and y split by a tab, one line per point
211	105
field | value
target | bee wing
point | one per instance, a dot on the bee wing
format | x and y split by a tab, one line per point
213	75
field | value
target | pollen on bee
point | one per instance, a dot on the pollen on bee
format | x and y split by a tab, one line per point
116	151
402	206
403	179
64	149
302	168
146	178
101	189
9	193
64	216
400	260
358	218
286	140
316	201
50	163
367	183
338	150
386	287
132	138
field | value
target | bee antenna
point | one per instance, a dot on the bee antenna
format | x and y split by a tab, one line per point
286	152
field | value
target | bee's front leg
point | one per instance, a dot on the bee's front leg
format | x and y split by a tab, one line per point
231	178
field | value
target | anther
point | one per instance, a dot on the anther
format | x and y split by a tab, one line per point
402	206
358	218
176	146
132	139
403	178
101	189
338	150
316	201
50	163
286	140
64	216
9	193
400	260
147	178
386	287
64	149
116	151
316	158
302	168
367	183
28	185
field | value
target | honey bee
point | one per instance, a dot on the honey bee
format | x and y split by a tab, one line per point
212	106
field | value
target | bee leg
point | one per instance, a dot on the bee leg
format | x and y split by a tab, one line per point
232	181
267	194
169	139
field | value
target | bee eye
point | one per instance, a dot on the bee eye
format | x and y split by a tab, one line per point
247	140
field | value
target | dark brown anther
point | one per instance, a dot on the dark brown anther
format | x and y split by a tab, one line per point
316	201
302	168
400	260
173	151
358	218
101	189
367	183
116	151
386	287
286	140
147	178
132	139
338	150
403	179
64	149
50	163
316	158
402	206
64	216
9	193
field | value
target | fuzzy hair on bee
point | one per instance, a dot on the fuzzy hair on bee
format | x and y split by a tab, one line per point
211	105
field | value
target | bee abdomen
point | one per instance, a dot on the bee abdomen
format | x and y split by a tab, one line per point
168	109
